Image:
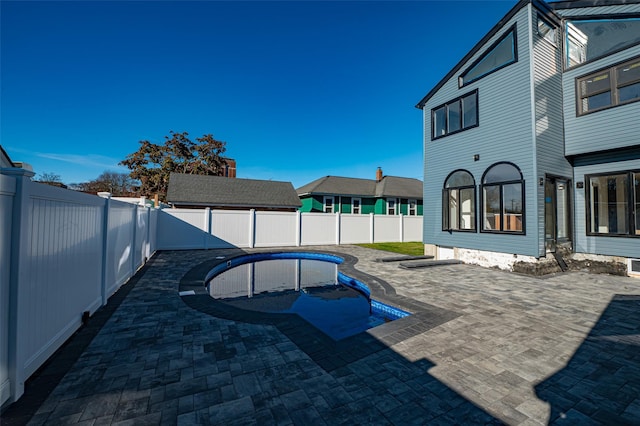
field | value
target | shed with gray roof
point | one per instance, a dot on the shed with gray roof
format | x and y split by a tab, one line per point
217	192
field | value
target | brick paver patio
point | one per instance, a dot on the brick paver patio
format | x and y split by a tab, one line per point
483	347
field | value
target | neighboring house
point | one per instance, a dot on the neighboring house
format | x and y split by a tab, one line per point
218	192
385	195
532	140
5	161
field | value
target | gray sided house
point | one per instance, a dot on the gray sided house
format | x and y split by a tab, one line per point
387	195
217	192
532	141
5	161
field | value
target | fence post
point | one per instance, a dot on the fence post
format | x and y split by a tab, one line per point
371	227
133	240
401	228
207	226
338	218
147	251
298	228
20	236
105	244
8	193
252	228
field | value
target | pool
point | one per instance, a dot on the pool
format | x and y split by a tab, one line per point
302	283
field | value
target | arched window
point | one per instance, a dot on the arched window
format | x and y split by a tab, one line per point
459	202
503	199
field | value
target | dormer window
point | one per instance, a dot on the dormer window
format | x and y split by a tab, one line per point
501	54
546	31
590	39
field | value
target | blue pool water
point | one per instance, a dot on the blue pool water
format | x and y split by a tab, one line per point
306	284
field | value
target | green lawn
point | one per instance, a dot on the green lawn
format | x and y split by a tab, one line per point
411	248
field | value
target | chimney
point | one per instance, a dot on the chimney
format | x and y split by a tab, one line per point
378	174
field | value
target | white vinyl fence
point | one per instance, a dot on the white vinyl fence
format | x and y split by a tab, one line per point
62	253
183	229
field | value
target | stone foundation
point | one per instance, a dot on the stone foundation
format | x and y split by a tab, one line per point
530	265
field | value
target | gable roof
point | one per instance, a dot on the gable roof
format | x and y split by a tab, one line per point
230	192
544	7
5	161
392	186
339	185
389	186
481	44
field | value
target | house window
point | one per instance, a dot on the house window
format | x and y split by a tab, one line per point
546	31
459	202
503	199
455	116
392	206
329	205
501	54
576	45
355	205
590	39
617	85
613	204
413	207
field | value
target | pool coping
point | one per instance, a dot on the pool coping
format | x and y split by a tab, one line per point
326	352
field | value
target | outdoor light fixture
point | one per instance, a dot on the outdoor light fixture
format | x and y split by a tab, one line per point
476	157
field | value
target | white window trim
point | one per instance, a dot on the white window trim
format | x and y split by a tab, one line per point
414	209
359	205
395	208
333	204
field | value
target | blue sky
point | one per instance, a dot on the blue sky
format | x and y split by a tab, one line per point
297	89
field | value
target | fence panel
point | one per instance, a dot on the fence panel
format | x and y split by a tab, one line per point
318	229
180	229
60	272
273	229
62	252
119	253
386	229
355	229
412	228
7	193
231	228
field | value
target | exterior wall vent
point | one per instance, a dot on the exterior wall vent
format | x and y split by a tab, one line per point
633	268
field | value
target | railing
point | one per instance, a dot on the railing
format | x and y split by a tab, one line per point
62	253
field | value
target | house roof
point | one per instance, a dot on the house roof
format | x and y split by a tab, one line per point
392	186
573	4
339	185
230	192
546	8
5	161
389	186
481	44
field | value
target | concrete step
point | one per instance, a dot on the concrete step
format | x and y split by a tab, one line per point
428	263
401	258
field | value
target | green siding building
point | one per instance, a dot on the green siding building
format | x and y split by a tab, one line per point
385	195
